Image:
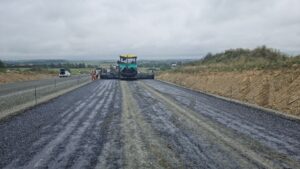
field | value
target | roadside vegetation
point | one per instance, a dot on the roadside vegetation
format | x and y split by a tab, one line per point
21	70
2	67
13	71
262	76
261	58
161	65
49	66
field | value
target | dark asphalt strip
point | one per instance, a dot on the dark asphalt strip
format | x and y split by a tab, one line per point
74	138
19	132
95	135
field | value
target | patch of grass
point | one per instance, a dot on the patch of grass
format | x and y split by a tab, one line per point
43	70
78	71
2	67
260	58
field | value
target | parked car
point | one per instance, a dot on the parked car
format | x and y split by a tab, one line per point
64	73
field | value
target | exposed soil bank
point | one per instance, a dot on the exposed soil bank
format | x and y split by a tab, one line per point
275	89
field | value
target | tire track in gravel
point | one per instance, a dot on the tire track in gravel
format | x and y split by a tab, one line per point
244	147
195	150
112	152
68	115
95	135
67	155
280	134
142	148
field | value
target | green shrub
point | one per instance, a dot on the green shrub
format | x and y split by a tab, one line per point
2	67
242	59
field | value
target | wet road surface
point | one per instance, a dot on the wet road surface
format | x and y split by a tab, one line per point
146	124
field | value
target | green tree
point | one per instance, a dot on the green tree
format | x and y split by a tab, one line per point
2	66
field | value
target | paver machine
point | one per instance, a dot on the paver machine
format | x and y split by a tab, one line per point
126	69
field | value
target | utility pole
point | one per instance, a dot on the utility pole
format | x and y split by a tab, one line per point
35	98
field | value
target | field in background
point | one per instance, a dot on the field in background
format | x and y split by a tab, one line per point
262	76
14	76
25	74
23	70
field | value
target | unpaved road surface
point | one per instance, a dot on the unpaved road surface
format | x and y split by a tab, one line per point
146	124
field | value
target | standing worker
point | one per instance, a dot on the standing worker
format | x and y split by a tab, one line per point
93	74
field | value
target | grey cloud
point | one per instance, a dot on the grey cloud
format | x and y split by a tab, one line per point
98	29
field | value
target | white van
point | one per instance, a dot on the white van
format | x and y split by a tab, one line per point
64	73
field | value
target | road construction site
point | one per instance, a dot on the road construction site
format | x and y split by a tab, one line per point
146	124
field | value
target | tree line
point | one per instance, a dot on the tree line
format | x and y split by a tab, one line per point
52	65
2	66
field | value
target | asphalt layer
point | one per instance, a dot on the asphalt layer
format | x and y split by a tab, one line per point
146	124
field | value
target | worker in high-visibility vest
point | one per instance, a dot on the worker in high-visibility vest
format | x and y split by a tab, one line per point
93	75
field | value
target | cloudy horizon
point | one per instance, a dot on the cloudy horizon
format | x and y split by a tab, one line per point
161	29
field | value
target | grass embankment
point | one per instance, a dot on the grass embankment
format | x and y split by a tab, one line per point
23	74
261	76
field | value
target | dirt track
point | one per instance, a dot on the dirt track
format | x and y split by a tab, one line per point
146	124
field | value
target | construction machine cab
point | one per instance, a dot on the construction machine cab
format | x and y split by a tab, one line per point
127	67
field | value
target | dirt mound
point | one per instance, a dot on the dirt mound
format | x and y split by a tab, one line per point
275	89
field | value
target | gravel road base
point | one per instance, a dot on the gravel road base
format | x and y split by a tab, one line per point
146	124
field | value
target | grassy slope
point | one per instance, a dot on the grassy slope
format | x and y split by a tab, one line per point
15	76
261	76
24	74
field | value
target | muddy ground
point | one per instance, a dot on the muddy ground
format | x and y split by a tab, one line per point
146	124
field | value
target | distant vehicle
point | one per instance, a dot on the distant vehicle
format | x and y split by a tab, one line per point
98	72
64	73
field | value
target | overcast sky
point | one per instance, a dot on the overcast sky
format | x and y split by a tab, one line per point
159	29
